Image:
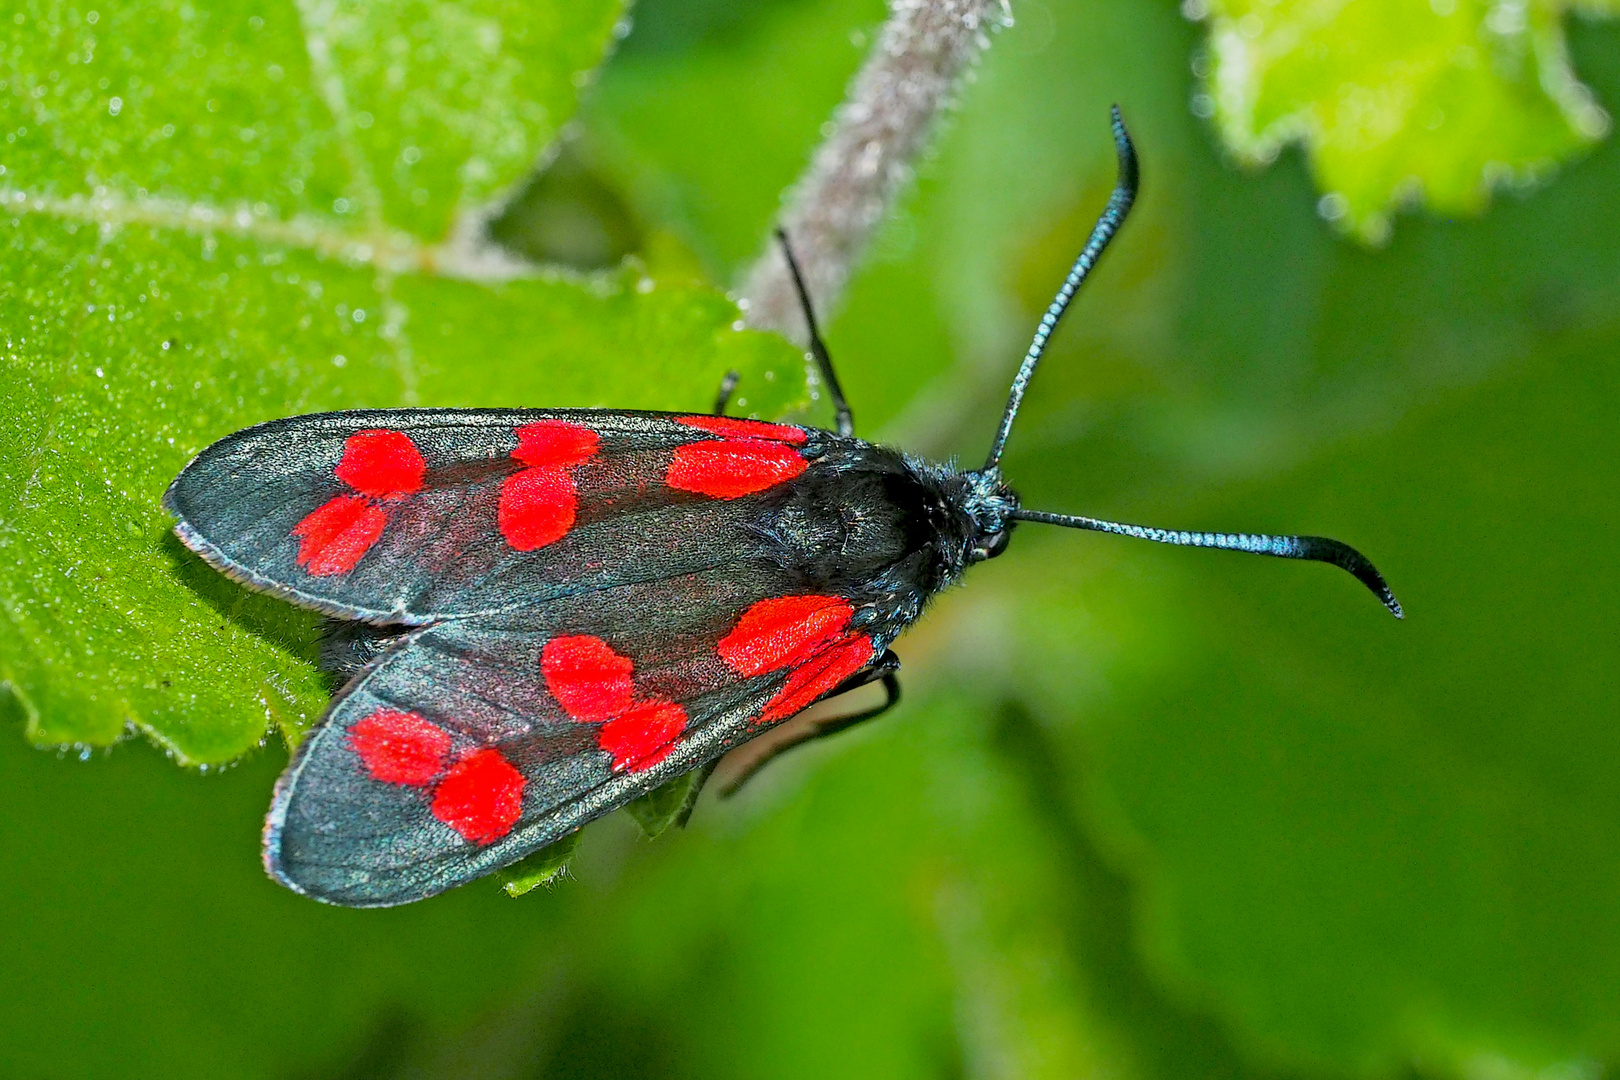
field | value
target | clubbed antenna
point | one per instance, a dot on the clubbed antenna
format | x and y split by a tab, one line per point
1113	216
1313	548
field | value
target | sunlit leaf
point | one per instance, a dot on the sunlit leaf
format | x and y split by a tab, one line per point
544	867
1400	102
213	217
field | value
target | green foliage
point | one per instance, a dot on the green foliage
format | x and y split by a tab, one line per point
543	867
1399	102
214	218
1146	813
666	805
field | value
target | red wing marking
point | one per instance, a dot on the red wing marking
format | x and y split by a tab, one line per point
594	684
731	468
817	676
537	506
745	429
589	680
481	797
400	747
783	632
642	737
380	465
383	464
555	442
333	537
798	632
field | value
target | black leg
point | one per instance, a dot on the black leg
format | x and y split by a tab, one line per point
884	670
727	385
818	349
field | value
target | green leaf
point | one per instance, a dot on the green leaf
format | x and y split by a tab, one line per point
372	118
1399	102
540	868
213	218
668	803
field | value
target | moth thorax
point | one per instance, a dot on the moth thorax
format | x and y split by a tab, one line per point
843	532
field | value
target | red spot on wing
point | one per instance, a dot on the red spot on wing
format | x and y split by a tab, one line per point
642	737
481	797
783	632
382	464
400	747
537	506
733	467
589	680
817	676
745	429
594	684
333	537
379	464
555	442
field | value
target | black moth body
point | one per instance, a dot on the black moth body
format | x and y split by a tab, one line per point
542	615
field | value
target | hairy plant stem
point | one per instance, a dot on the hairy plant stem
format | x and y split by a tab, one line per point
883	124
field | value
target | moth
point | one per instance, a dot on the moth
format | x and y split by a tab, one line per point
544	614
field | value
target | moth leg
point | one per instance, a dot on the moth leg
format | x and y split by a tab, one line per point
883	670
818	348
727	385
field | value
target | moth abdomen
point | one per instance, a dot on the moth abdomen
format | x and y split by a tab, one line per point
347	647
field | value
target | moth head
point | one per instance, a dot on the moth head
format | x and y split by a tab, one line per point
989	505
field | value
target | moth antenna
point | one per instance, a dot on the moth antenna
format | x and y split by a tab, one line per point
1113	216
818	348
1313	548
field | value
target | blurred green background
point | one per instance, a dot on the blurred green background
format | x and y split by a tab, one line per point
1145	813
